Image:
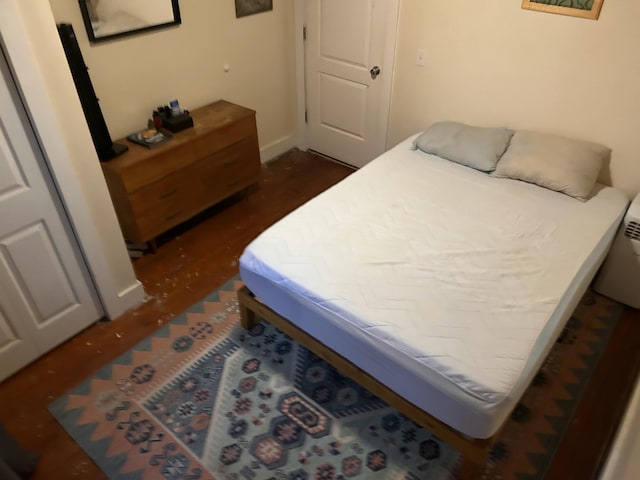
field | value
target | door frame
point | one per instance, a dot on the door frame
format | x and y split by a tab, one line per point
106	258
300	14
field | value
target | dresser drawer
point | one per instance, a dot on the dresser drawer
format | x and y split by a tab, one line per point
158	165
224	137
175	188
236	164
153	222
165	203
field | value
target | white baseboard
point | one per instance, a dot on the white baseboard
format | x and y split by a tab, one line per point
277	148
624	458
130	297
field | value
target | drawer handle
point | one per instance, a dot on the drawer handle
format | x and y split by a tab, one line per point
173	215
168	193
231	161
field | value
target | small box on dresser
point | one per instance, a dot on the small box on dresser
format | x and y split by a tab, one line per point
154	190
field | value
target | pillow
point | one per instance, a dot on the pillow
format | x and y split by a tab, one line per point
557	163
475	147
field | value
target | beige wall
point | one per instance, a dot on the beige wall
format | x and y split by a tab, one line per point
135	74
491	63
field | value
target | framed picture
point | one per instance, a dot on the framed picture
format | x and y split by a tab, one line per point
251	7
575	8
109	19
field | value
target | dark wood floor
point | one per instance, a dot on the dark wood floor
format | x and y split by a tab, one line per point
195	259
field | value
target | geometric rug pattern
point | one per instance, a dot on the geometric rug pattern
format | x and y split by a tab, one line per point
202	398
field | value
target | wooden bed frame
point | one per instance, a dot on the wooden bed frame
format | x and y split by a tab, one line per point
474	451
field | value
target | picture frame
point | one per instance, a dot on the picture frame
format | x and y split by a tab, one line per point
245	8
109	19
574	8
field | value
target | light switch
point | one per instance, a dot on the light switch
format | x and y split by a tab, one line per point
420	57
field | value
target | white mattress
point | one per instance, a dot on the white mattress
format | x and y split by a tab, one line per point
446	284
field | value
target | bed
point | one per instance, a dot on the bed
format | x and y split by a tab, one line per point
439	287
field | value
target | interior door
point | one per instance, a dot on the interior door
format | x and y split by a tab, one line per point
46	293
349	53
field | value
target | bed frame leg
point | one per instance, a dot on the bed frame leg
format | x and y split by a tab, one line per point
248	318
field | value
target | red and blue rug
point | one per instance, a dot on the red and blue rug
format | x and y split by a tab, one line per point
204	399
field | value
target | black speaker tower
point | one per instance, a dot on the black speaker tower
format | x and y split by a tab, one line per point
105	147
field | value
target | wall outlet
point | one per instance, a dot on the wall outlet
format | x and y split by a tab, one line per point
420	57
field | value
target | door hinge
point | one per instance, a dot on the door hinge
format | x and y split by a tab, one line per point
304	33
306	117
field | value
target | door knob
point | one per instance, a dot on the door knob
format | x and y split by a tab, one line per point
375	71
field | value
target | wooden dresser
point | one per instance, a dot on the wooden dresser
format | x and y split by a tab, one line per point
155	189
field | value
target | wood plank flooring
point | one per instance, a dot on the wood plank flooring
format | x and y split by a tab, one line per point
193	260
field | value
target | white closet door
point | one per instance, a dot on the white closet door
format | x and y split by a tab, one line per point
46	292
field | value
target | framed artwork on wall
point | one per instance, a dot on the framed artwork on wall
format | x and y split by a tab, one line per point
251	7
109	19
575	8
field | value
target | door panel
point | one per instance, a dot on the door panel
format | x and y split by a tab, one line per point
46	292
347	108
50	295
11	178
336	16
343	105
16	348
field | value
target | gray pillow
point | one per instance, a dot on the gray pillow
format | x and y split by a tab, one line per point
557	163
475	147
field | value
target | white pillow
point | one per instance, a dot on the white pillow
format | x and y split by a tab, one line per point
557	163
475	147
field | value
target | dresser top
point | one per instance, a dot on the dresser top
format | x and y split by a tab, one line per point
205	119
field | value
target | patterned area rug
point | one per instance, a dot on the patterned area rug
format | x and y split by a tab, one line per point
204	399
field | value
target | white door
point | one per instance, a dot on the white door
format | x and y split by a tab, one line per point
46	293
349	55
